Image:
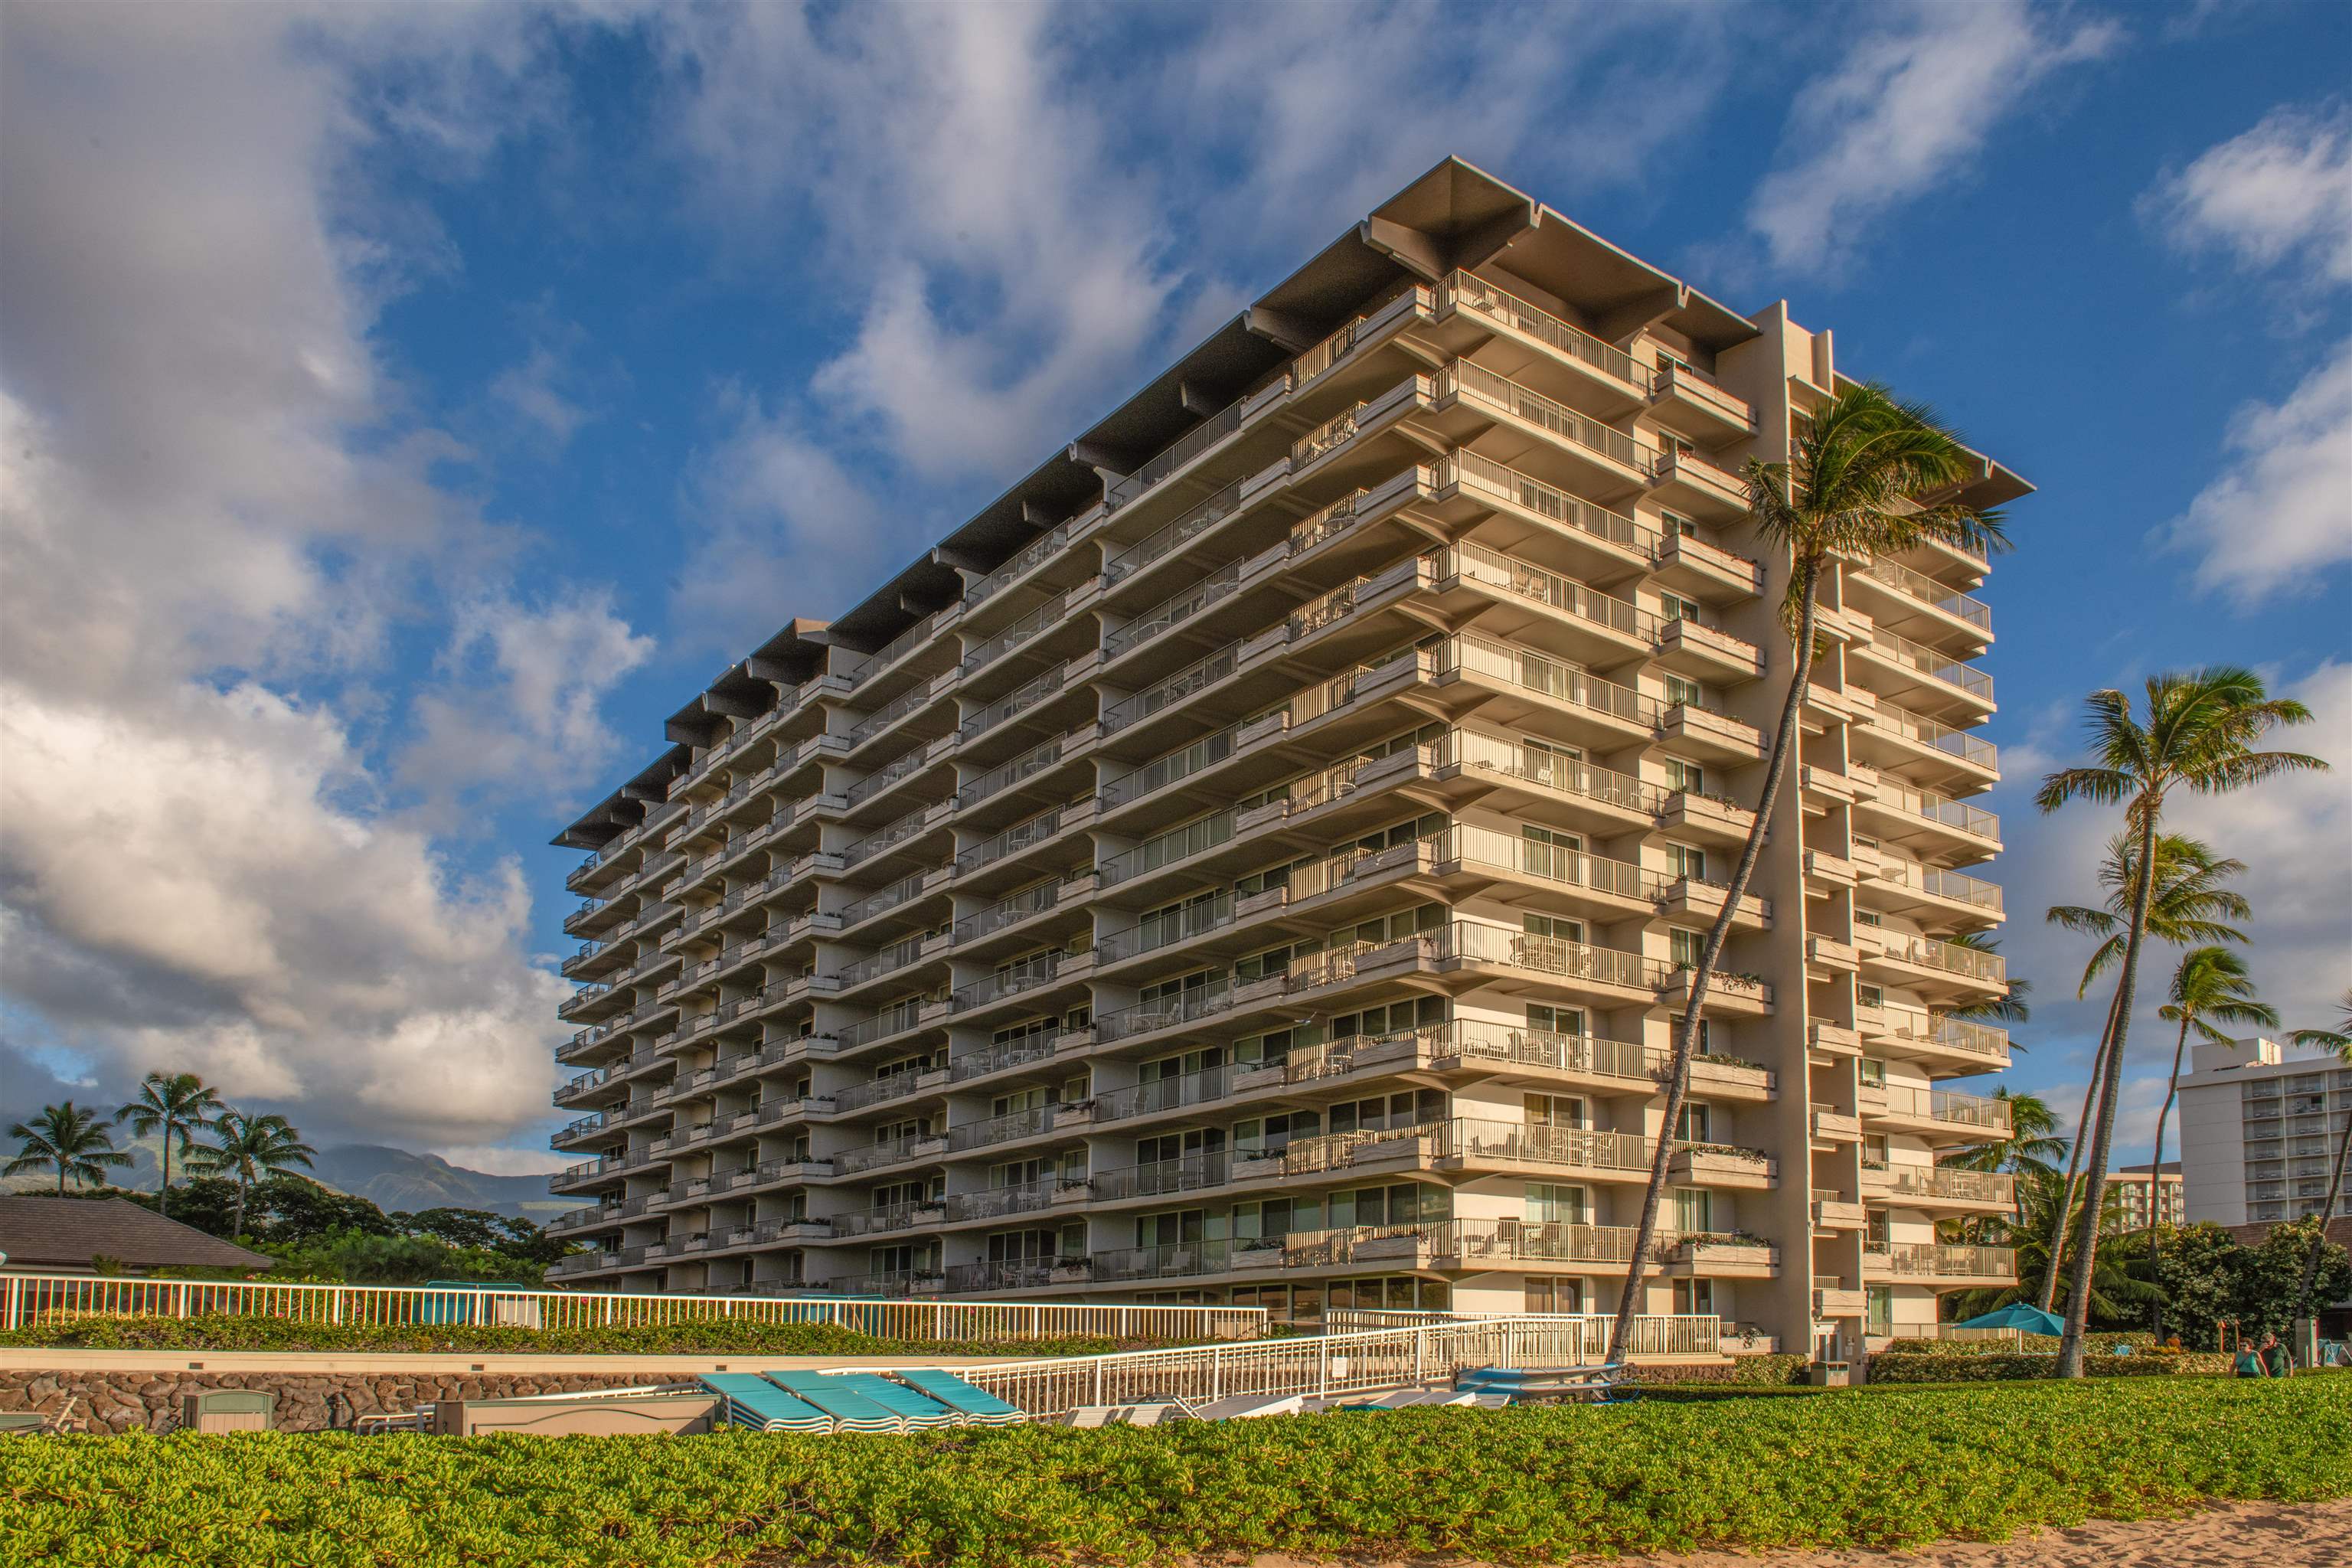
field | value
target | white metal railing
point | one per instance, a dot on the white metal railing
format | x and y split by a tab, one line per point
1028	764
1467	291
1941	1182
1483	385
1935	881
27	1299
1972	820
1928	591
1951	957
1981	1110
1175	535
1470	471
1028	555
1546	769
1509	574
1971	748
1523	667
1938	667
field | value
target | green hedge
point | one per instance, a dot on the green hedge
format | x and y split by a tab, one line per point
1743	1372
2141	1341
711	1336
1842	1469
1982	1366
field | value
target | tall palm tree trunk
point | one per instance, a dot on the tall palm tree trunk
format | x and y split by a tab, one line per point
164	1194
2094	1177
2156	1173
236	1226
1784	742
2063	1210
2319	1240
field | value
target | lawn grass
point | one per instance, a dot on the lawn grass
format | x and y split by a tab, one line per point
1862	1467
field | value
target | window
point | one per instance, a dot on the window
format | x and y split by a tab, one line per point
1544	1018
1868	918
1686	777
1551	764
1683	947
1555	1296
1693	1125
1682	692
1874	1072
1552	926
1869	996
1880	1318
1674	607
1705	1031
1391	1018
1687	864
1673	445
1550	1203
1694	1298
1548	852
1693	1210
1674	525
1557	1111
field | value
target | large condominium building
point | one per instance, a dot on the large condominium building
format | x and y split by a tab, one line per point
1254	860
2142	1190
2258	1131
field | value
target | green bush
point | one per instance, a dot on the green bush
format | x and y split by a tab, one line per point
1996	1367
1741	1372
1837	1469
707	1336
2141	1341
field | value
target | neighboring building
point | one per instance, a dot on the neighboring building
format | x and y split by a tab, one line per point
72	1236
2141	1194
2258	1131
1254	859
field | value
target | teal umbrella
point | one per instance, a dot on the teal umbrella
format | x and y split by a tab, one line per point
2018	1315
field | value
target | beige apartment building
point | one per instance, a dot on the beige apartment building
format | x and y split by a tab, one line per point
1254	857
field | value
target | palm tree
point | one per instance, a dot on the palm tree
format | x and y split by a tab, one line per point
248	1149
2198	736
183	1106
2113	1288
2339	1040
2190	905
73	1138
2032	1143
2210	984
1865	477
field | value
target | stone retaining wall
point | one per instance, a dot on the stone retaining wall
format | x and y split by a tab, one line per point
150	1401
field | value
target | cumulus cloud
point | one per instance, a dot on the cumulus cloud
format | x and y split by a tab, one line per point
216	509
2280	194
2280	513
1903	113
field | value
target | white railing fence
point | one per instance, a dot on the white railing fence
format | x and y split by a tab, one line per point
1381	1357
1654	1334
28	1298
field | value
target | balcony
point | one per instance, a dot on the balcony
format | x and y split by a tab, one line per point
1941	1187
1594	374
1707	572
1691	402
1974	1117
1924	676
1910	886
1924	961
1928	823
1950	1043
1912	601
1613	545
1581	450
1946	1264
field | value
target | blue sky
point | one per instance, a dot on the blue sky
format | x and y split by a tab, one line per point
407	408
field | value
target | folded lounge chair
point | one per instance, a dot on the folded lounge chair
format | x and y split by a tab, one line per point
977	1405
851	1411
1594	1384
756	1403
915	1408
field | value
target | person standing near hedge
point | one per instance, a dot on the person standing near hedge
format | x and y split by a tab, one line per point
2275	1358
2249	1362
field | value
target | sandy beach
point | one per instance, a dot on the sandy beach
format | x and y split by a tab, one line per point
2273	1535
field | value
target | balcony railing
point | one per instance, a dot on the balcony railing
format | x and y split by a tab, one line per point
1048	614
1019	703
1928	591
1029	555
1972	748
1979	1111
1504	574
1484	475
898	893
1008	912
1941	1182
1937	1260
1182	451
1952	1034
1473	750
1483	385
1951	957
1174	610
1939	883
1015	839
889	653
1935	666
1468	652
1474	1140
1175	535
1467	291
1938	809
1202	672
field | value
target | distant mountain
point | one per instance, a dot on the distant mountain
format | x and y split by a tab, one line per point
392	1179
395	1178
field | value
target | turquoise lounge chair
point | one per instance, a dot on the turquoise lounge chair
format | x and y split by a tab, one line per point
977	1405
756	1403
851	1411
916	1410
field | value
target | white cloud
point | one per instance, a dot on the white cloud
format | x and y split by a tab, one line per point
1904	113
215	505
2280	193
519	704
496	1159
2280	514
533	390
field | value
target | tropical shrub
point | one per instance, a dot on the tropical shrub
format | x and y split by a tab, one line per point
2003	1365
1838	1468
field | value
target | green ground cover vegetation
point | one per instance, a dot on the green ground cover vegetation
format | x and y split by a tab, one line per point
1865	1468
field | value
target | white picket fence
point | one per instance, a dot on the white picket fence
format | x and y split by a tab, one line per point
1321	1365
27	1299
